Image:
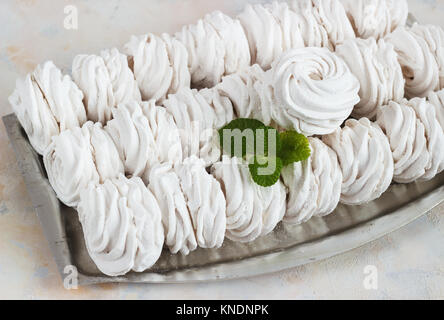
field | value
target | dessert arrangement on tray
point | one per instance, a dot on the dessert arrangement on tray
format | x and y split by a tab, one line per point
130	139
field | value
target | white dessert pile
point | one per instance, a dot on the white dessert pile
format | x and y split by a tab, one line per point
245	90
216	46
252	211
79	156
197	115
144	135
375	64
122	225
271	29
376	18
314	185
150	173
324	23
192	205
46	103
365	159
421	55
416	139
160	65
106	81
277	27
310	90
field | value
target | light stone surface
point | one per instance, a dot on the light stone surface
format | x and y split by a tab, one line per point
410	262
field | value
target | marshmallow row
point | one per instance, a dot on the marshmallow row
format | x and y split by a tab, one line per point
155	66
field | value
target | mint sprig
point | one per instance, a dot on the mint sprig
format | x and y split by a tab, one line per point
245	138
266	171
295	147
266	150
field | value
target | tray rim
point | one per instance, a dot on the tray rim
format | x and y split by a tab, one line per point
292	257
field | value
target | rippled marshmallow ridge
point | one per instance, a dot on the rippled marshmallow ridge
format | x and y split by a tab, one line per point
270	29
166	145
106	81
419	66
205	200
376	18
247	92
69	163
312	31
130	132
365	159
91	75
164	183
408	142
434	36
290	23
436	98
197	116
125	87
47	102
144	135
331	18
425	112
105	154
313	91
314	185
160	65
216	46
375	64
252	211
122	225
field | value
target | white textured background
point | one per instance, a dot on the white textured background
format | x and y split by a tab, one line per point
410	261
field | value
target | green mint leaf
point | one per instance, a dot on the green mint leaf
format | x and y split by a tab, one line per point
266	171
248	138
244	123
295	147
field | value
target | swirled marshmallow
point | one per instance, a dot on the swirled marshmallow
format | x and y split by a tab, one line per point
376	18
130	132
408	141
125	88
314	185
205	201
165	185
419	66
376	66
92	77
105	154
145	135
365	159
197	116
312	31
245	91
312	90
160	65
270	29
106	80
425	112
122	226
69	163
325	22
216	46
252	211
47	103
434	37
79	156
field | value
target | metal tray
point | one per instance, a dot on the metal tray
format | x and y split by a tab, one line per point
288	246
